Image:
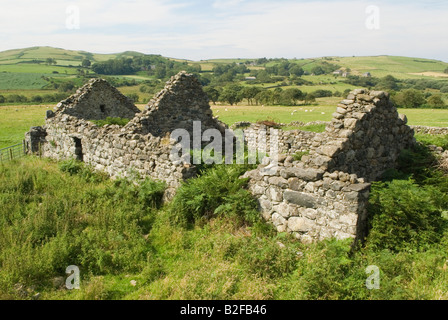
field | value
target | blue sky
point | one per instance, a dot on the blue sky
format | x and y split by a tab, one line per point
200	29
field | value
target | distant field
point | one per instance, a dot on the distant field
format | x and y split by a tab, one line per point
426	117
16	120
283	114
22	81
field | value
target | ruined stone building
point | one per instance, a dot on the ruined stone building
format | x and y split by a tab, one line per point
322	195
143	145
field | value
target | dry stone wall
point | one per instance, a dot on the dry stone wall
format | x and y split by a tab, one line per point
289	142
430	130
325	194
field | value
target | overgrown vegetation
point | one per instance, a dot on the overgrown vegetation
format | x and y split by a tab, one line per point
437	140
210	242
111	121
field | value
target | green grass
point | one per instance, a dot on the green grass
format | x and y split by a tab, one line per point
36	68
437	140
111	121
28	93
426	117
281	114
22	81
16	120
399	67
118	235
311	128
14	124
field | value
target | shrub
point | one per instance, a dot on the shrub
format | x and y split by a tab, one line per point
134	97
404	215
437	140
322	93
37	99
217	191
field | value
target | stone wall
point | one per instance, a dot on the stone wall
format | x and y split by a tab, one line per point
143	145
430	130
290	142
97	100
325	194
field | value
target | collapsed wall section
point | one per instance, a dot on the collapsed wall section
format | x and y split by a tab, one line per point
325	194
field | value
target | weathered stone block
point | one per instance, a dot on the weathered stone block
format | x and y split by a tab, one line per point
300	198
299	224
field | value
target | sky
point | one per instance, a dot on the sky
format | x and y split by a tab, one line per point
199	29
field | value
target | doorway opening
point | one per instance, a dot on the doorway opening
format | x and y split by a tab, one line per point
78	149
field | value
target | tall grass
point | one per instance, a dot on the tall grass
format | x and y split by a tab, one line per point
208	243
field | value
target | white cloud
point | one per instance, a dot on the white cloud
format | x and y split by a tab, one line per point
225	4
247	29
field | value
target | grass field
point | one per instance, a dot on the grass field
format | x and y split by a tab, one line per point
16	120
21	81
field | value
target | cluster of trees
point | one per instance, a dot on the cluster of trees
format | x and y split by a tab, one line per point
285	69
46	98
234	93
324	68
412	98
152	64
391	84
50	61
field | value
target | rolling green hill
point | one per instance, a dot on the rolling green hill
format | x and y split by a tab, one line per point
27	61
26	72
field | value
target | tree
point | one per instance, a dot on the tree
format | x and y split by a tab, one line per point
309	98
296	71
160	71
318	70
212	93
2	99
436	101
86	63
250	93
346	93
337	94
290	96
410	98
50	61
66	86
134	97
388	83
277	95
231	94
37	99
264	97
446	70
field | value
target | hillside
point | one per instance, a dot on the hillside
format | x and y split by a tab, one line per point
32	60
